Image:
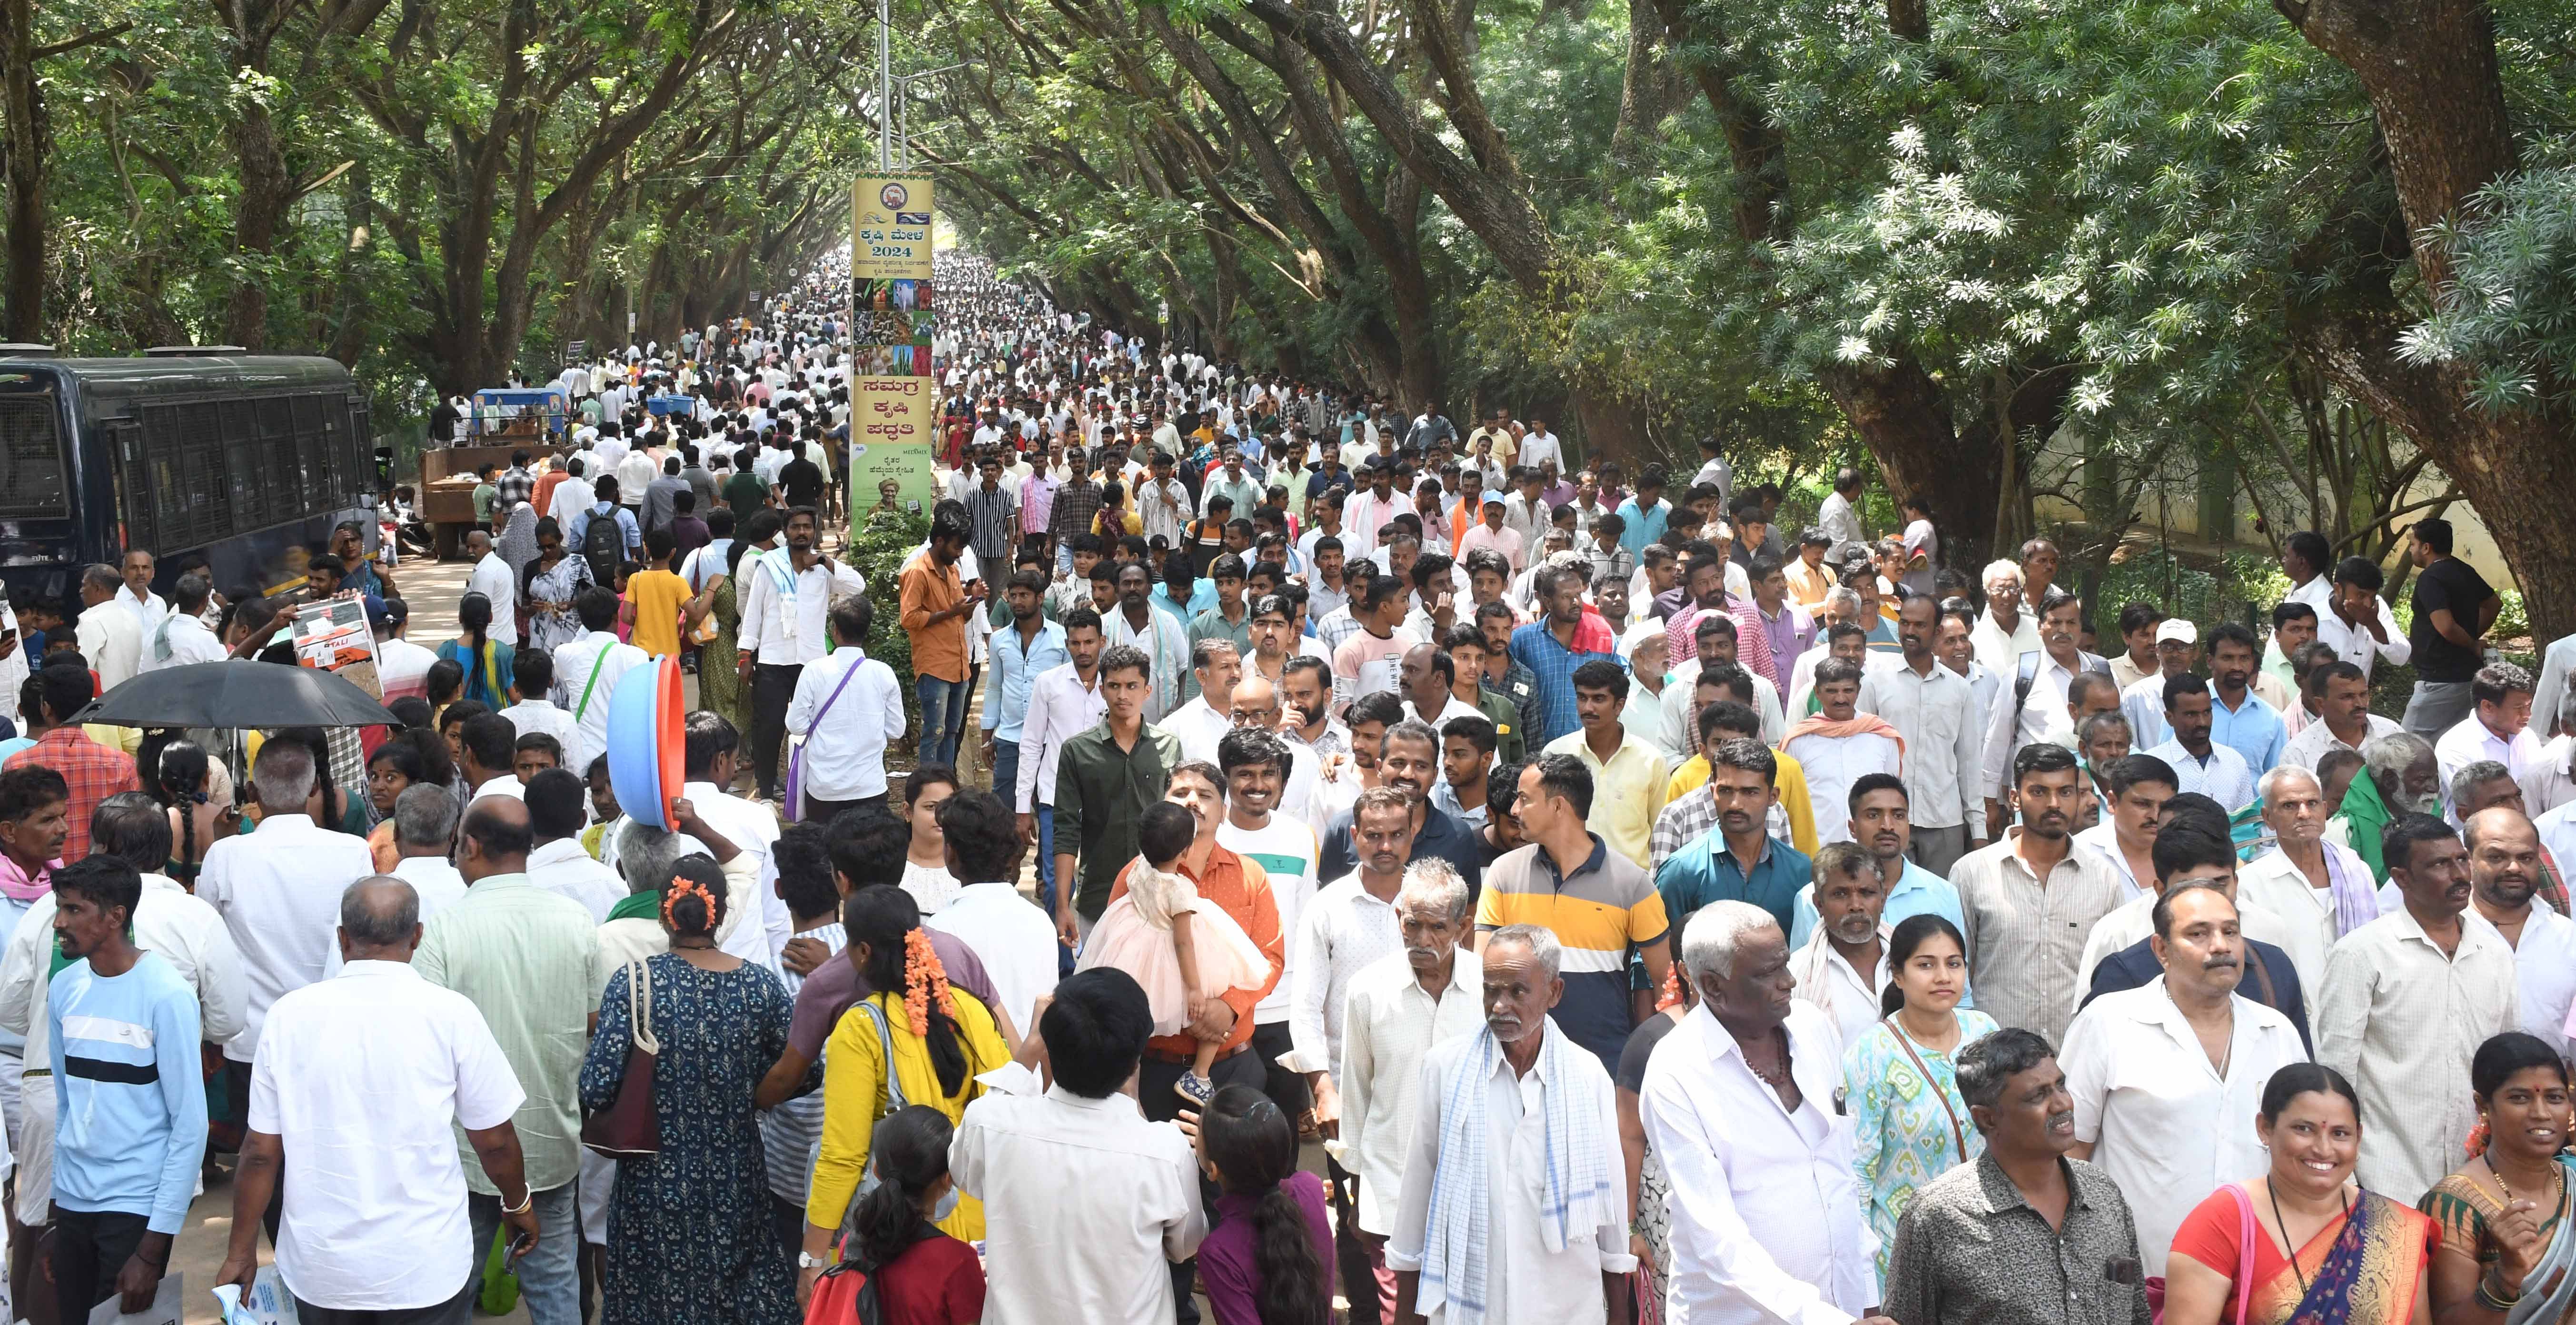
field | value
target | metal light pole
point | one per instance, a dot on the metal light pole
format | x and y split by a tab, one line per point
885	86
903	105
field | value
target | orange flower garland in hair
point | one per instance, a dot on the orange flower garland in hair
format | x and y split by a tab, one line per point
924	981
681	887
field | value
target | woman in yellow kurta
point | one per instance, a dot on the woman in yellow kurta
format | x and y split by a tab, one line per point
943	1038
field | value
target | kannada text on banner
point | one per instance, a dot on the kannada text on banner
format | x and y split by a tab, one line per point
894	399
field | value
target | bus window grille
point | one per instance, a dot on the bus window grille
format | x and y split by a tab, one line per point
31	457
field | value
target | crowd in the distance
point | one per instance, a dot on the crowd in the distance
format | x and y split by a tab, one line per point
1460	882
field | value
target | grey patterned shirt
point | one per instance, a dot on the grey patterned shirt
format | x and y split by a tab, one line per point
1970	1251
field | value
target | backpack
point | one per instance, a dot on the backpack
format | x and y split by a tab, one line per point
603	543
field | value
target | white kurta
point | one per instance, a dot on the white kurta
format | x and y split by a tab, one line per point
2401	1021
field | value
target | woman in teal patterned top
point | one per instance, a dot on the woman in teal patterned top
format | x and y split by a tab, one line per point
1909	1124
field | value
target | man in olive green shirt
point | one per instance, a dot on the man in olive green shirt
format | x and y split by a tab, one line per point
1104	779
529	960
744	492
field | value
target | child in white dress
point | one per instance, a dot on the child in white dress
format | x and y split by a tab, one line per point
1182	948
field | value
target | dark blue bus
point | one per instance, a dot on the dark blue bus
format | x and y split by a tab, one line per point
245	459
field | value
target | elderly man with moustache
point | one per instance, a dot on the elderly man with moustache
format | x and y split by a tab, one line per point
1743	1103
1513	1186
1394	1009
2168	1077
2318	885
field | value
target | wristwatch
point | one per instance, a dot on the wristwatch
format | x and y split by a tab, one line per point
806	1260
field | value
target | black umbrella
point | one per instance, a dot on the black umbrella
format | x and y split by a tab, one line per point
237	692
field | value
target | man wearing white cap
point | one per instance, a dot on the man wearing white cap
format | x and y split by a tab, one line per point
2177	652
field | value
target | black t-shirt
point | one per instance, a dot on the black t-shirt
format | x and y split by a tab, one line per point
443	418
2448	583
1631	1075
803	481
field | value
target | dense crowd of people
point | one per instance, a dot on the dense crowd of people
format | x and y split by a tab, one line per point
1412	875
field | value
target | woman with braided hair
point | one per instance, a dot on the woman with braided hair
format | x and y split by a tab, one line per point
936	1038
689	1234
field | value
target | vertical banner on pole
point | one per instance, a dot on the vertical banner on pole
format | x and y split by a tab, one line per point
894	399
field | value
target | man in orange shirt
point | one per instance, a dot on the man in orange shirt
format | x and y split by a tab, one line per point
935	607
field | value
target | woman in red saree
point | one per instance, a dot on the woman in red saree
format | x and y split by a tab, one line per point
2303	1244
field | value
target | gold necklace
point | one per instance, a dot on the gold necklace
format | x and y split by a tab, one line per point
2558	1184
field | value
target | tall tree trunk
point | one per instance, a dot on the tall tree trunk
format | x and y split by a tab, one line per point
2429	68
260	203
22	112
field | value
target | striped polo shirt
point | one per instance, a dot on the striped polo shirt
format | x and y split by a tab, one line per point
1599	914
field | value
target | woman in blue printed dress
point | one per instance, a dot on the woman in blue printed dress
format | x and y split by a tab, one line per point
690	1238
1909	1123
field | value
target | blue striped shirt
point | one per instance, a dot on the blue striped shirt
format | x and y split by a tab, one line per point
130	1101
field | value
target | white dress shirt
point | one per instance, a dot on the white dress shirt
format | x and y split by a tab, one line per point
1012	938
1833	764
586	672
2470	740
845	747
168	920
1343	931
492	579
2224	777
1944	741
2133	921
562	866
541	716
1525	1283
2401	1021
1199	728
784	633
1388	1025
1085	1203
1061	707
1765	1207
2041	717
2275	883
112	642
2356	646
147	610
1827	979
189	642
2163	1121
2316	740
278	891
752	829
2544	966
2001	652
433	880
364	1081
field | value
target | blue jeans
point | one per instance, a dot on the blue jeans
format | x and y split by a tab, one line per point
943	719
1046	883
549	1281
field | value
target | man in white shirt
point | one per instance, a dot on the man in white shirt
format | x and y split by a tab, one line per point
2340	693
2201	765
2026	715
1840	522
1843	967
107	633
1399	992
2504	874
1936	712
1014	940
2004	630
488	745
586	671
848	707
353	1105
709	762
1838	747
785	597
1527	1115
1739	1101
2318	885
2357	622
534	712
1087	1205
180	637
491	578
2499	728
1540	444
2408	998
279	888
1064	701
558	811
2170	1117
